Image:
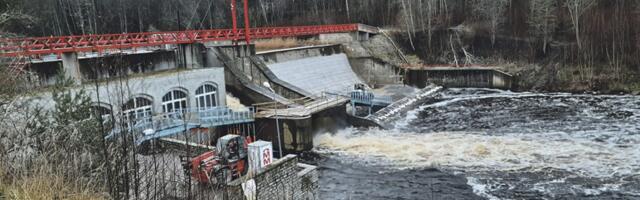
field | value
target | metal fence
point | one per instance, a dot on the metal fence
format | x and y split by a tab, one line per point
180	120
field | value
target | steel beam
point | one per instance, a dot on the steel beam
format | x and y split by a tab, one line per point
14	47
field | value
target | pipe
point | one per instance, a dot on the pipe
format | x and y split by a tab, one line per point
247	37
234	20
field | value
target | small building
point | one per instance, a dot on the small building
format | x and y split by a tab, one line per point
153	90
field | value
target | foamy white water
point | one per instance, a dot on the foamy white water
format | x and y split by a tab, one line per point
592	148
478	151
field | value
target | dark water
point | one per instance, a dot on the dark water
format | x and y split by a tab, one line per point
491	144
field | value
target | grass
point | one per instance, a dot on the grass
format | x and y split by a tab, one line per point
2	186
43	187
283	43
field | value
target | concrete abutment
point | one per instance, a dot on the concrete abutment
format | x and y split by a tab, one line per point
459	77
71	67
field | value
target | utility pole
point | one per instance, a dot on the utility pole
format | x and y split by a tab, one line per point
278	127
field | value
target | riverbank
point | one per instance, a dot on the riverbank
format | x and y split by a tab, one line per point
534	77
560	69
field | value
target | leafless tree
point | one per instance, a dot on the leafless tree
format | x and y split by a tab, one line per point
542	20
492	11
576	10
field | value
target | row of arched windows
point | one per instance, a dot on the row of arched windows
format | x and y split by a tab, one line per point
139	107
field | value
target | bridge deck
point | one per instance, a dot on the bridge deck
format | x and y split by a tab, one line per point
13	47
305	110
382	117
179	121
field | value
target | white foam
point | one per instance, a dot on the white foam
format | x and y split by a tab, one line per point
460	150
577	152
480	189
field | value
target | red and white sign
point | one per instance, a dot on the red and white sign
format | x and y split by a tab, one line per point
260	155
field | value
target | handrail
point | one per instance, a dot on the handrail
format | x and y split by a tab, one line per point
203	117
367	97
12	47
319	102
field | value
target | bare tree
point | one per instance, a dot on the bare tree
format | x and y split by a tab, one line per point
491	10
542	20
408	20
576	9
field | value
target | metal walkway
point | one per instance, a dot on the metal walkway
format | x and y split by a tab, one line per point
387	114
303	108
368	99
12	47
179	121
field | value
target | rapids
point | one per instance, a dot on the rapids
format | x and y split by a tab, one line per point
503	145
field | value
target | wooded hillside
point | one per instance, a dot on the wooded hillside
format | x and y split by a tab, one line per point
583	33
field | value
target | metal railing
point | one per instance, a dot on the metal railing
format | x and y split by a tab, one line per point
178	120
302	106
362	97
216	116
11	47
366	97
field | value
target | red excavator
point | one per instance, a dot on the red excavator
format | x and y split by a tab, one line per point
226	163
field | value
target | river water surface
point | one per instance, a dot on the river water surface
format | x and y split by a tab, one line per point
491	144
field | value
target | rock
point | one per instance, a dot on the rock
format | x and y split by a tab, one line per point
637	92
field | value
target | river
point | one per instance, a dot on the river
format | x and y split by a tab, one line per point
491	144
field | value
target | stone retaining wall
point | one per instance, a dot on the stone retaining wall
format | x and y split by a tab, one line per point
283	179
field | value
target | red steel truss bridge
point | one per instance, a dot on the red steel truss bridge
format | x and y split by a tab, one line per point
35	46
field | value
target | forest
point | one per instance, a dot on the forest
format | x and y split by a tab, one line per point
596	37
548	45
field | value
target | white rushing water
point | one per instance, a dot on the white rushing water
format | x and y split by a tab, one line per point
583	154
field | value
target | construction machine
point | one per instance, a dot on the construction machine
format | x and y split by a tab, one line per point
227	162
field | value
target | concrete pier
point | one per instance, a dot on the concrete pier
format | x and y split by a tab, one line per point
71	67
192	55
477	77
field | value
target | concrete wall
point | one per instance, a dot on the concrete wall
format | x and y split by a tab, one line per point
296	135
114	93
284	55
46	72
375	72
502	80
340	37
239	77
84	67
318	74
90	68
459	77
283	179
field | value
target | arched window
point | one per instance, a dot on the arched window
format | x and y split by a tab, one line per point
101	111
137	108
206	96
174	100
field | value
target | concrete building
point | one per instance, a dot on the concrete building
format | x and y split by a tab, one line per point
145	84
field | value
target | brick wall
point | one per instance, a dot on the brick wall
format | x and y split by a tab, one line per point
284	179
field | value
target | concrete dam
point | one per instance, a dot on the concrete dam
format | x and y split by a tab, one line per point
193	94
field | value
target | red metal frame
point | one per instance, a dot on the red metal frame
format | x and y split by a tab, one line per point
234	19
247	26
13	47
